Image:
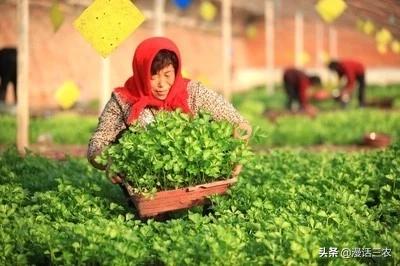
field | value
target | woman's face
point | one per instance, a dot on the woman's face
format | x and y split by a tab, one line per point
162	82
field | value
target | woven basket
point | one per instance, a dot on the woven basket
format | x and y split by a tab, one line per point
176	199
376	140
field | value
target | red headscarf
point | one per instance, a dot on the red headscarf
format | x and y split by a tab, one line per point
137	89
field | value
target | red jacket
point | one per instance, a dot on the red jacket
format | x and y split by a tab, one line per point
300	82
351	70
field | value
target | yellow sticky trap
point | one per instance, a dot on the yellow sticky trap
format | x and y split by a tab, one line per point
106	24
395	47
208	11
368	27
329	10
185	73
67	95
204	80
325	57
330	85
360	25
382	48
56	16
304	58
251	31
383	36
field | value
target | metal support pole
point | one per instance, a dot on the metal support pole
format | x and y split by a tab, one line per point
298	39
269	45
227	47
105	84
23	76
159	10
319	35
333	49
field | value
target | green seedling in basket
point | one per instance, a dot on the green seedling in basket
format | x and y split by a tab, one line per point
175	151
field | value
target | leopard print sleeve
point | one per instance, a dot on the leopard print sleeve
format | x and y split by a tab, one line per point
111	124
201	98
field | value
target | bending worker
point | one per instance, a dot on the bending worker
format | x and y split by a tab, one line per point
297	84
353	72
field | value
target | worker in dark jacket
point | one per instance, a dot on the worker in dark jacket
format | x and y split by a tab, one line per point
8	72
353	72
297	84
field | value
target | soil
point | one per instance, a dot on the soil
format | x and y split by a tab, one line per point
59	152
56	151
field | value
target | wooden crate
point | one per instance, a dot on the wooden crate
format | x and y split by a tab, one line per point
177	199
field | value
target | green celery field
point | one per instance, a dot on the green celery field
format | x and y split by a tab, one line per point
62	128
332	125
288	208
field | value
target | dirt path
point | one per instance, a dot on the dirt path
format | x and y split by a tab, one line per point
59	152
56	151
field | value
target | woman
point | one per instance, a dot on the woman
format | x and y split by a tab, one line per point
297	86
157	84
352	71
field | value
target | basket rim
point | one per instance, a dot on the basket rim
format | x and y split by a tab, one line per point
230	181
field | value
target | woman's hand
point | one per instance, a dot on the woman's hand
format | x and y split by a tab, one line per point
243	131
115	179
